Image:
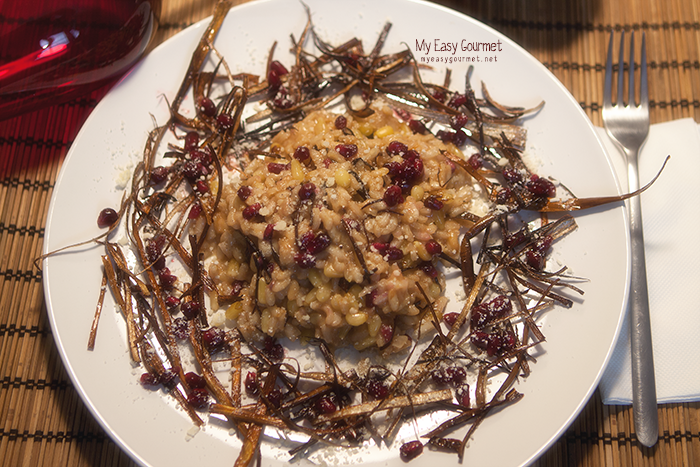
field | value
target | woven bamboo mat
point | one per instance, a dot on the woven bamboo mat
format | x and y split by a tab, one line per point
43	422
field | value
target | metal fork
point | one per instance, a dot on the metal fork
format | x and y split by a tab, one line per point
628	126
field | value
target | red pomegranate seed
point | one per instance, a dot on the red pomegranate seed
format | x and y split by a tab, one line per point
195	211
201	187
348	151
276	167
191	140
393	253
456	375
319	243
475	161
411	450
172	302
539	186
251	211
282	99
386	332
191	171
180	328
149	381
244	192
195	381
512	176
535	260
159	174
198	398
458	121
273	349
269	232
190	309
377	389
433	203
341	122
307	191
305	260
251	383
450	318
275	397
214	339
169	377
396	148
417	127
206	107
393	196
302	153
325	405
107	218
462	395
457	100
433	248
429	269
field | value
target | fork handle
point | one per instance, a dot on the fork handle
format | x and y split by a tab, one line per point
643	382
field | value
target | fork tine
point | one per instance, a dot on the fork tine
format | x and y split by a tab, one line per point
607	88
620	70
644	90
631	100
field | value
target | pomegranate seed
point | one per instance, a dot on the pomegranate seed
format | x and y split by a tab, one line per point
195	381
433	248
166	279
224	122
195	211
439	96
459	138
202	156
269	231
394	169
544	244
320	242
370	297
515	239
180	328
457	100
305	260
450	318
535	260
539	186
278	67
341	122
307	191
433	203
458	121
348	151
305	240
107	218
512	176
411	154
429	269
282	99
251	211
456	375
244	192
396	148
214	339
393	196
201	187
411	450
462	395
191	171
503	196
440	377
273	349
251	383
377	389
198	398
172	302
417	127
325	405
412	170
276	167
393	253
206	107
327	162
149	381
153	251
190	309
191	140
274	80
475	161
386	332
302	153
159	174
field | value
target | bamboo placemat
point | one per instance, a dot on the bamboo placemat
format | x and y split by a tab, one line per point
43	422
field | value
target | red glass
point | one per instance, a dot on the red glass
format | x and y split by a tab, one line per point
52	51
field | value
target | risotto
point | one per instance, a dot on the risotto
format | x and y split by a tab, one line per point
338	231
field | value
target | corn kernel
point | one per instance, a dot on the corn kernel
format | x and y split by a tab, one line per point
342	177
366	129
317	278
323	293
297	170
417	192
234	310
422	251
356	319
386	130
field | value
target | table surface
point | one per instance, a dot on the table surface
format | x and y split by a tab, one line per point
44	422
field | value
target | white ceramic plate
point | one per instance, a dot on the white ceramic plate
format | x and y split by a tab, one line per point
579	340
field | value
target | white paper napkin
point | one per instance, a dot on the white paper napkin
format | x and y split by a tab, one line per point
671	219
